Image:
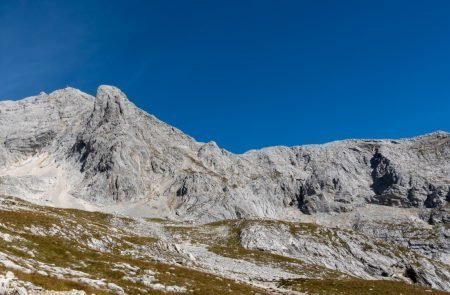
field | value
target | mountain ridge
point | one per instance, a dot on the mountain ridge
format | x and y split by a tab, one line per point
124	154
92	97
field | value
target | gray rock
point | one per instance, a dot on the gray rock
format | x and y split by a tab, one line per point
112	153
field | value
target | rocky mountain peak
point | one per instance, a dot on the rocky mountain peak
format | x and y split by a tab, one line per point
110	106
121	154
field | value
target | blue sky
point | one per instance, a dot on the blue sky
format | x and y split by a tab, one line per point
246	74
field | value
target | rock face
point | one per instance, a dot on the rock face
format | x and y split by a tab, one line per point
105	151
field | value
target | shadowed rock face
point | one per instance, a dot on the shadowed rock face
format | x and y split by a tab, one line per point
383	174
113	153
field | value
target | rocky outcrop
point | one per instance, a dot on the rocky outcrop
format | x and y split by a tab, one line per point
440	215
344	251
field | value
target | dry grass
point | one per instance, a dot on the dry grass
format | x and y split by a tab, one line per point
356	287
222	238
62	251
229	246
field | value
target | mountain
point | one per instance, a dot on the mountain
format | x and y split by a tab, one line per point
276	219
70	149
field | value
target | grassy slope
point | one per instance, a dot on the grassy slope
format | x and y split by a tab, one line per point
320	280
68	248
66	252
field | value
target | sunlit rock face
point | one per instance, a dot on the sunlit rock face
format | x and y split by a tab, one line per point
76	150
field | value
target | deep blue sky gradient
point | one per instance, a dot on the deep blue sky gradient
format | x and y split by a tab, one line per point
246	74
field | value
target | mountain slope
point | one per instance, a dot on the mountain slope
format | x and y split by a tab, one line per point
109	152
44	248
352	210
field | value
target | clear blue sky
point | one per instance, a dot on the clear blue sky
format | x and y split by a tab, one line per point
246	74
